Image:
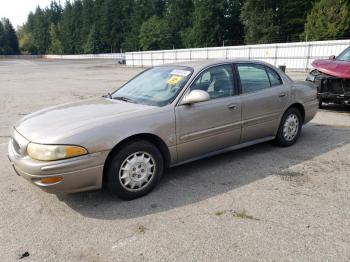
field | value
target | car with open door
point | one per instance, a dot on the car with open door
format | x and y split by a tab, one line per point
166	116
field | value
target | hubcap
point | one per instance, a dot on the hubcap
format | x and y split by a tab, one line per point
137	171
291	127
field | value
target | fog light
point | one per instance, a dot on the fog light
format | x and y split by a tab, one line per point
50	180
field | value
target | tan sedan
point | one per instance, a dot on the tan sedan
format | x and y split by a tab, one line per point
165	116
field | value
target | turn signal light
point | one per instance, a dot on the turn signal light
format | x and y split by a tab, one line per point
51	180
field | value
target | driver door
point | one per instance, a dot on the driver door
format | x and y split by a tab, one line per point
209	126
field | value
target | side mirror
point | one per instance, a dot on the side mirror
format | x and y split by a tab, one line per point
195	96
332	57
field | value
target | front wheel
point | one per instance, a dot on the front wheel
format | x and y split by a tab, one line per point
134	170
290	128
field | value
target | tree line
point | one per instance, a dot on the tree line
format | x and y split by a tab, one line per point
103	26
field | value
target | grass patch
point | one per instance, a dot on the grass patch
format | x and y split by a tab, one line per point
243	215
220	213
142	229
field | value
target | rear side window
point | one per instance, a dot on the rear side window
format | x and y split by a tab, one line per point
253	77
275	79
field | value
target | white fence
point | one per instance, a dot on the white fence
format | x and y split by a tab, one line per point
293	55
116	56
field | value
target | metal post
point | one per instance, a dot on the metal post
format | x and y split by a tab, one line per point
226	51
190	54
132	58
308	57
207	53
163	57
141	59
276	53
175	55
249	52
151	58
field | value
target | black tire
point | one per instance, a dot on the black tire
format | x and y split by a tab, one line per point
113	180
280	139
320	103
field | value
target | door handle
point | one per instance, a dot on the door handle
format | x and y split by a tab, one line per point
232	106
282	94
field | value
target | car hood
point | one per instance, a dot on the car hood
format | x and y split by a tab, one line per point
50	124
335	68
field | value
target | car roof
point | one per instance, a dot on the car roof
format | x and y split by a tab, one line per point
198	65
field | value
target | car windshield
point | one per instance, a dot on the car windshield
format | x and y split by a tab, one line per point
344	56
157	86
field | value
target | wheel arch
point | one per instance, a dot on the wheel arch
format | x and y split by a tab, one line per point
298	106
154	139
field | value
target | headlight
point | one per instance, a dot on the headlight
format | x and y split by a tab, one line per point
54	152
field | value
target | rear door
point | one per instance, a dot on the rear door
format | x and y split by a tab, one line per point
212	125
263	97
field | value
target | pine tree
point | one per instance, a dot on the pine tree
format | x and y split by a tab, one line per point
214	21
260	21
2	39
8	38
154	34
177	27
292	16
71	26
93	44
329	19
55	40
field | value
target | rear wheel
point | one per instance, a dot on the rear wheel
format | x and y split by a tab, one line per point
320	103
290	128
134	170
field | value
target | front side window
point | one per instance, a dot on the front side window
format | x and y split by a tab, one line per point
217	81
253	77
157	86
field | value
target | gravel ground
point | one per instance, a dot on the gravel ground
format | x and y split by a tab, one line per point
261	203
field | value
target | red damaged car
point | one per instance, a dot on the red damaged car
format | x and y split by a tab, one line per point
332	78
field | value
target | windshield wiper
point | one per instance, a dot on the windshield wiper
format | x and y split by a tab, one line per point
125	99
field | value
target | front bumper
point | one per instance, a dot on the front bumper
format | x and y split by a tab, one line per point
334	98
78	174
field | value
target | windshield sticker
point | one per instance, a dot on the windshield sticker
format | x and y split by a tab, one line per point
180	72
173	80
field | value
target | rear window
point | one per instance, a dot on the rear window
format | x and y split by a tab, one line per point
275	79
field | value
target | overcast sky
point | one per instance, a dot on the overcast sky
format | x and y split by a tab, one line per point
17	10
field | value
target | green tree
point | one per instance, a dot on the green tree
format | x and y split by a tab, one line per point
292	16
140	11
329	19
25	39
155	34
93	44
71	26
38	26
88	16
8	38
260	21
214	21
2	39
55	40
177	27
